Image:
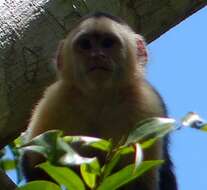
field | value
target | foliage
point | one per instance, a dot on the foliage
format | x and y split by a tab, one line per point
62	156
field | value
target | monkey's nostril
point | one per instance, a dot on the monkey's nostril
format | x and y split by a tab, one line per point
85	44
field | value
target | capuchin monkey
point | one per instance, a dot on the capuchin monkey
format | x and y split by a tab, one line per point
102	92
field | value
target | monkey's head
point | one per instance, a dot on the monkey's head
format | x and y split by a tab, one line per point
101	51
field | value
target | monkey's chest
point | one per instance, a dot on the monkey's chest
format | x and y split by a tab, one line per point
106	122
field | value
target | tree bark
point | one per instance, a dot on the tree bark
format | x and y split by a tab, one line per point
30	31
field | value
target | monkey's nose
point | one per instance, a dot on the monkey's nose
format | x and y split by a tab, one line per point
97	53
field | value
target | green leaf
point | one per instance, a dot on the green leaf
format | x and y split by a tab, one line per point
73	158
110	166
150	128
18	142
126	175
46	144
88	177
126	149
41	185
204	127
90	172
148	143
8	164
64	176
120	152
193	120
52	146
190	118
138	155
47	139
36	148
97	143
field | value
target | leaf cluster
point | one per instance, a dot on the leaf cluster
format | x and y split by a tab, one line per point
62	157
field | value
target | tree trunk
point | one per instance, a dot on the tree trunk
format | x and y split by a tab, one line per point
30	31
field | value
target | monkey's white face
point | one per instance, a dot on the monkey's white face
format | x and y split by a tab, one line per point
98	53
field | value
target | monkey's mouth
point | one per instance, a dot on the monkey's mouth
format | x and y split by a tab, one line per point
99	67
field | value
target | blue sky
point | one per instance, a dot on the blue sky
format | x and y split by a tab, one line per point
178	69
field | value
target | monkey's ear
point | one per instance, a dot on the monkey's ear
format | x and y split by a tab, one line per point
58	56
141	49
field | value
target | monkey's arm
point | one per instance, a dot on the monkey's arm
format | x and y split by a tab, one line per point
47	113
44	117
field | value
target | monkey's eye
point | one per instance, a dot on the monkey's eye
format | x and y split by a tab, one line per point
84	44
107	43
